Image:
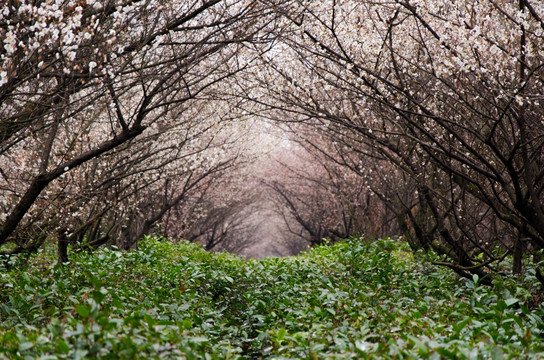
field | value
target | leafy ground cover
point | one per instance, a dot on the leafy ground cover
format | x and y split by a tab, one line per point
348	300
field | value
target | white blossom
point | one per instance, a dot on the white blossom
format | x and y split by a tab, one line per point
3	77
92	65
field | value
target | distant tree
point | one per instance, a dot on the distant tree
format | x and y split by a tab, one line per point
319	198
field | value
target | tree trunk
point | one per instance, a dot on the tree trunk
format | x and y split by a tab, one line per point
63	248
517	255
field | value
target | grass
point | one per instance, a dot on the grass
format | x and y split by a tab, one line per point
350	300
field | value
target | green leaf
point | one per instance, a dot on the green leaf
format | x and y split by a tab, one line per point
80	354
149	320
198	340
62	347
187	324
318	310
459	326
83	310
25	346
501	305
280	335
445	353
497	353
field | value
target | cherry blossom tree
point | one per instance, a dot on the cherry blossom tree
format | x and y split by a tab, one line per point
450	94
82	81
318	199
233	212
118	115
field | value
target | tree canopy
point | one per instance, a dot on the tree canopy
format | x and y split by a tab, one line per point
422	119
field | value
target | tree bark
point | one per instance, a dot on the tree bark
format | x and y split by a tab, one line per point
63	248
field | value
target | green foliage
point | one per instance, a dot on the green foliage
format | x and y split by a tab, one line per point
347	300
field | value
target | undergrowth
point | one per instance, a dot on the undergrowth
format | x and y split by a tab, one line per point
174	300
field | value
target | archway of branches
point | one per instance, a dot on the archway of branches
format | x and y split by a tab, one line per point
234	123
